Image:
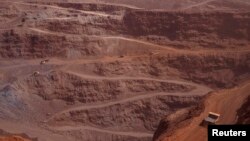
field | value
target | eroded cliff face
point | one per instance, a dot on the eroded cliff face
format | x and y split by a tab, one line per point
244	113
213	67
79	88
168	125
90	35
208	29
215	70
13	138
4	136
114	71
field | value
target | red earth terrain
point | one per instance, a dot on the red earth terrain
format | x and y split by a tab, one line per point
124	70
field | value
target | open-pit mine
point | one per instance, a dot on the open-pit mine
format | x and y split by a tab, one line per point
122	70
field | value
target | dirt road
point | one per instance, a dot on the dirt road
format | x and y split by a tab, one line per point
198	4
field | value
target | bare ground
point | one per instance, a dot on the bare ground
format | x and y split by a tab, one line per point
117	68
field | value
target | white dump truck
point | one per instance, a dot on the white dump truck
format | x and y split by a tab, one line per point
212	118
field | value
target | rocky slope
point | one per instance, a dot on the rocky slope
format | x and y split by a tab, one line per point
181	118
40	36
207	29
4	136
114	70
70	87
13	138
244	113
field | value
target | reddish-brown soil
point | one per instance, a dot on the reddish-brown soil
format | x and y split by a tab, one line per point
13	138
4	136
244	112
116	68
226	102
